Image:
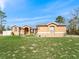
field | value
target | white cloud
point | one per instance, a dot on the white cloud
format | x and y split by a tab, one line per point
58	4
33	19
30	19
13	3
2	4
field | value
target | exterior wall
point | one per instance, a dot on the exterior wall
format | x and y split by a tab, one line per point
45	34
20	30
58	28
59	31
7	33
15	30
43	29
59	34
48	34
55	27
27	32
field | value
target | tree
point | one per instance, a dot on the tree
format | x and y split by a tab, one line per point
2	20
8	28
75	18
60	19
74	22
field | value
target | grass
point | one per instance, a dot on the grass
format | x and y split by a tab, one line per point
38	48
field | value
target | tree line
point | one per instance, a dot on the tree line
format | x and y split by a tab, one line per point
72	25
73	22
3	22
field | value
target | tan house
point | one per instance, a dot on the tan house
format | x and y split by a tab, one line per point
47	30
51	30
25	30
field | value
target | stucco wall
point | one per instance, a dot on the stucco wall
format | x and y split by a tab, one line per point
20	30
59	31
47	29
58	28
43	29
15	30
49	34
7	33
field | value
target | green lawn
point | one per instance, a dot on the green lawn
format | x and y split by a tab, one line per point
39	48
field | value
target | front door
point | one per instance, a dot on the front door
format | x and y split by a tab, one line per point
52	29
26	30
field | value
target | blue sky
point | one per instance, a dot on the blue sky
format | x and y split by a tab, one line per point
33	12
